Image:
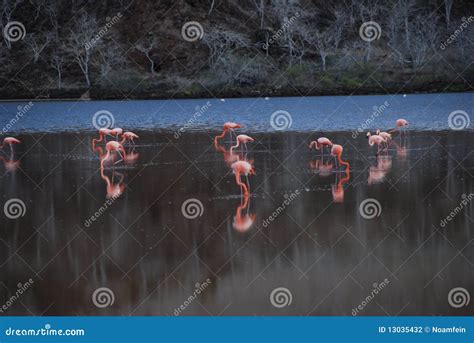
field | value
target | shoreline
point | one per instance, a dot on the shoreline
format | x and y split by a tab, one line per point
236	93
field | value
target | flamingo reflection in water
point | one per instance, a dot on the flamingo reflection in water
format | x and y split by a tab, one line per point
323	169
378	173
229	156
114	188
11	165
243	220
338	187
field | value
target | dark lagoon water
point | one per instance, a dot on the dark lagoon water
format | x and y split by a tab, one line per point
302	228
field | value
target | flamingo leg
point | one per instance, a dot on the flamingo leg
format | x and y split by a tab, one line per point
248	183
121	157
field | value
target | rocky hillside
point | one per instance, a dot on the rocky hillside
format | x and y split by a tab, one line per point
218	48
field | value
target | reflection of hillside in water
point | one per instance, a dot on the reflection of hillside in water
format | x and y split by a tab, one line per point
143	248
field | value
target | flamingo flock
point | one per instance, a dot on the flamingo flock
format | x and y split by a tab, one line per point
242	167
114	141
114	148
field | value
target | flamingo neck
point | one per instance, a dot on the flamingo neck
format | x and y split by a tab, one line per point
343	162
106	157
316	144
220	136
241	184
234	146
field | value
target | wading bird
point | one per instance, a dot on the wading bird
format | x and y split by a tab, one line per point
376	139
384	135
117	131
242	139
10	141
336	151
113	147
400	125
229	126
103	133
243	168
128	136
320	143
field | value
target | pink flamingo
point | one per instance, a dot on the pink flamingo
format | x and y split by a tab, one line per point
320	143
116	132
376	139
128	136
103	133
400	125
336	151
242	139
10	141
242	168
110	147
385	135
228	126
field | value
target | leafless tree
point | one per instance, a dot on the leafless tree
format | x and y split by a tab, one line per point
148	46
38	42
212	7
424	38
260	5
8	8
57	62
109	57
220	41
368	12
38	5
85	28
448	5
52	9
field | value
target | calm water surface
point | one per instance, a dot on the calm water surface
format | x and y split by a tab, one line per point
319	247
